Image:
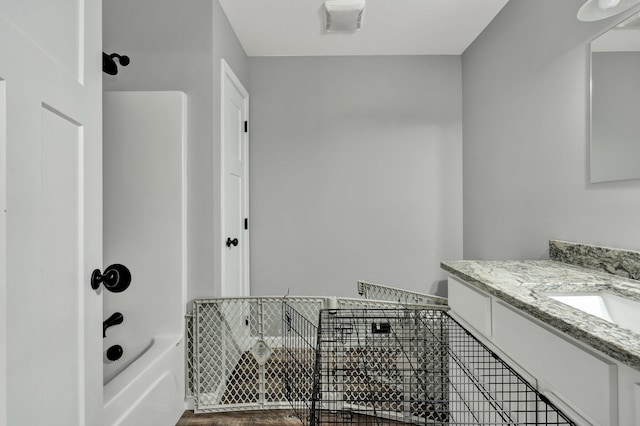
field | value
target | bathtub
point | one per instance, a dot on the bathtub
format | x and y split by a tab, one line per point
150	391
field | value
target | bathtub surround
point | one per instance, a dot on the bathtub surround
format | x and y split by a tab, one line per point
145	228
178	46
526	138
355	172
624	263
144	223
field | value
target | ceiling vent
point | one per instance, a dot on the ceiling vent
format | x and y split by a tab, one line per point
343	15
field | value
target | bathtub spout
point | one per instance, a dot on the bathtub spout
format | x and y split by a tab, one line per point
114	319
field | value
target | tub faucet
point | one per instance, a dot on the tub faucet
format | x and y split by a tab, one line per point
114	319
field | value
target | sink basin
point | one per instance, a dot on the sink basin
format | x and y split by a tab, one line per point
610	307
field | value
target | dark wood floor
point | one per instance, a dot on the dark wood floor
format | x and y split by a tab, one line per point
275	417
244	418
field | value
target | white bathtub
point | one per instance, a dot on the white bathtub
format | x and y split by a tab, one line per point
150	391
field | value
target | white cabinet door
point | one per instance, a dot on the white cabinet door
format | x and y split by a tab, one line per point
50	72
585	381
472	305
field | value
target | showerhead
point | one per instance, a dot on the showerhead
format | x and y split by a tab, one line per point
109	64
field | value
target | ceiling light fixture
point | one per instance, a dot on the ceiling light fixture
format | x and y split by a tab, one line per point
594	10
343	15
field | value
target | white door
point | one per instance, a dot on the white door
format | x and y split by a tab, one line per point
235	185
50	72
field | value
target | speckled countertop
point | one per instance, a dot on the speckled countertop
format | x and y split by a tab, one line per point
520	283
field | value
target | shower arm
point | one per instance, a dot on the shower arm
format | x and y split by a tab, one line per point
109	64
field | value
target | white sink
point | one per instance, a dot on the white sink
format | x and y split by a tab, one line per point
610	307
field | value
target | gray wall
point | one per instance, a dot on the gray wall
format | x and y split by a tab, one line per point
355	172
227	46
615	130
526	151
177	45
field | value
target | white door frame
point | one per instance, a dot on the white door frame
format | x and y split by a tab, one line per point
3	254
227	73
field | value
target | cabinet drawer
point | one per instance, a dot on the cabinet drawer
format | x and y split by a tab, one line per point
583	380
471	305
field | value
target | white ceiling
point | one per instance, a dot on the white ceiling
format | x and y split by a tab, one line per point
390	27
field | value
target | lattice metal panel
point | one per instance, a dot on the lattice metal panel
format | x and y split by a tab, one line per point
299	346
374	363
384	364
415	366
483	389
238	361
190	352
348	303
235	356
381	292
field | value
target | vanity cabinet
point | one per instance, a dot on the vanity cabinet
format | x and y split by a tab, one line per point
472	305
589	386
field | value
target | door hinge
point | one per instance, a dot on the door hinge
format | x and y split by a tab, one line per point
246	126
246	223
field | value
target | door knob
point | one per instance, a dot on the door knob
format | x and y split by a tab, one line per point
116	278
231	242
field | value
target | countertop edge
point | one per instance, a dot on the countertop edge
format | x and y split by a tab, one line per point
609	348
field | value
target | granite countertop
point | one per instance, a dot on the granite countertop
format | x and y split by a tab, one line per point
520	284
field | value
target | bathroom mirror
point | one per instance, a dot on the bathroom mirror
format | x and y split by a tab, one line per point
615	103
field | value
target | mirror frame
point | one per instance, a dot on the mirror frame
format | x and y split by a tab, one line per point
627	15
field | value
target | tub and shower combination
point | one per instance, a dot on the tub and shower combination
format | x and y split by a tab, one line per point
145	229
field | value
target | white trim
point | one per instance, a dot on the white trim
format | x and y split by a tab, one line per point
184	194
227	72
3	254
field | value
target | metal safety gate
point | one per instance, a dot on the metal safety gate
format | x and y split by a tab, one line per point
393	357
235	357
382	292
235	349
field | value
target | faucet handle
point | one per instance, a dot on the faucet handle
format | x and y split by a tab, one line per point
114	353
